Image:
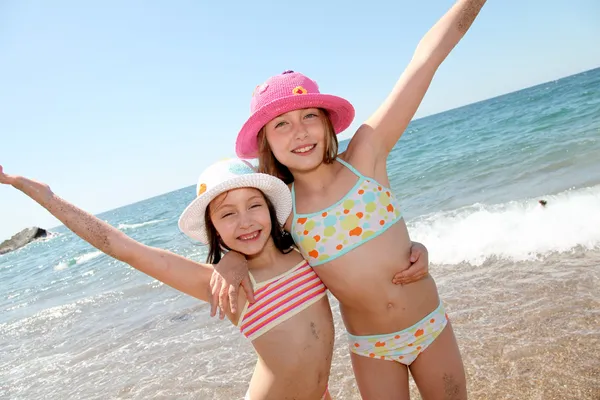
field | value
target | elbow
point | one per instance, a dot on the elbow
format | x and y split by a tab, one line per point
432	51
124	249
428	57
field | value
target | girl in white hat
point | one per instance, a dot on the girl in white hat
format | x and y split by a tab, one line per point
289	324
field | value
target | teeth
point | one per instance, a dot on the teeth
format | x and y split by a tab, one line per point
248	237
304	149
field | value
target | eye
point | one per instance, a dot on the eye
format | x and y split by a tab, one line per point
226	215
280	124
256	205
311	115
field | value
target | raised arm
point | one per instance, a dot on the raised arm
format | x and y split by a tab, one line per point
383	129
176	271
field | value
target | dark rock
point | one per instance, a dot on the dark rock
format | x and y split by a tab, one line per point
21	239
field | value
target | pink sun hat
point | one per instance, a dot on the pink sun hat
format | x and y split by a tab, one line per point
283	93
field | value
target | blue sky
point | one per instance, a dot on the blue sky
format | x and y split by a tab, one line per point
112	102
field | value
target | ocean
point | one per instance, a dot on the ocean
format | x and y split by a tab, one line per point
521	282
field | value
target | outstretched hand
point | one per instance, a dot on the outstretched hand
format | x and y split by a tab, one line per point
6	179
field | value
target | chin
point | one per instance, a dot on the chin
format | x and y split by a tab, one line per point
309	165
305	163
252	250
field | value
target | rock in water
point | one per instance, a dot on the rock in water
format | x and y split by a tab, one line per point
21	239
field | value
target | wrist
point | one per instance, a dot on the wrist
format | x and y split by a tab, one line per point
239	256
18	182
36	190
233	256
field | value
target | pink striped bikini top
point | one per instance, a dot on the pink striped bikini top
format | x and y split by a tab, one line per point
280	298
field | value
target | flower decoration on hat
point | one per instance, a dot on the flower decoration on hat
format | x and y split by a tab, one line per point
299	90
202	189
260	89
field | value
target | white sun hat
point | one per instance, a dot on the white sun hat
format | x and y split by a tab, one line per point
226	175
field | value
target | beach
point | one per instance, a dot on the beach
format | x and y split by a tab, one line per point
519	280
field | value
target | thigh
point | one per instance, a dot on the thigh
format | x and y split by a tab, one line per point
438	371
380	379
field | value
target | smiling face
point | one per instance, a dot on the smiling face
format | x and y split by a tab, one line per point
242	220
300	140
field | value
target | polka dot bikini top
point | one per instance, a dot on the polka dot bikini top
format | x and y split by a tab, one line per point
365	212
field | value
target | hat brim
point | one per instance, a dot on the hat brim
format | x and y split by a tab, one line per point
192	221
341	114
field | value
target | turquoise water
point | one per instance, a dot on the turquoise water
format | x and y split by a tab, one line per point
77	324
534	142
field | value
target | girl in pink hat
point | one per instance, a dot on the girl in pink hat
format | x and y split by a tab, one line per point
348	224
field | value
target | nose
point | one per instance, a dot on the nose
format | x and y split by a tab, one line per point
301	133
245	221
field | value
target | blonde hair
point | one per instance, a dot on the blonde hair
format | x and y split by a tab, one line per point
268	164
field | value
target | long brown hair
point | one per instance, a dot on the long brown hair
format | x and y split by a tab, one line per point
283	241
268	164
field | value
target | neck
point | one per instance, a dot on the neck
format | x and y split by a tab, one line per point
317	179
269	255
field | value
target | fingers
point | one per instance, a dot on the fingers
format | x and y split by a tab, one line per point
223	299
233	298
419	253
397	279
413	278
415	253
234	293
419	267
225	283
409	275
214	302
247	285
215	288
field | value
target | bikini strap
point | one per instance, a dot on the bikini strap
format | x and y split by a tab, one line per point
247	304
254	283
350	167
293	201
344	163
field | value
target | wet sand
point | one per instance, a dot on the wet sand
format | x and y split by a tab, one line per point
527	330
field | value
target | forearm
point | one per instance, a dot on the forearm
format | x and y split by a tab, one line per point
185	275
91	229
448	31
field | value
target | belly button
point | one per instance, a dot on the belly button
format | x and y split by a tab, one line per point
390	305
